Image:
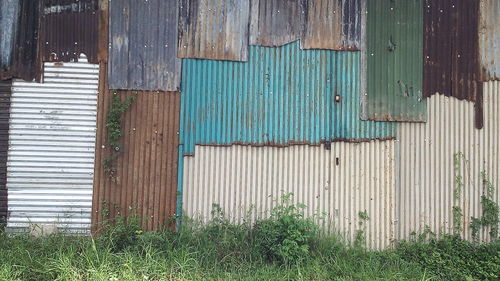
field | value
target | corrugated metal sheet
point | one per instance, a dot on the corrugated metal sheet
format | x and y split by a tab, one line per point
5	93
23	61
489	39
427	174
280	96
143	38
214	29
147	170
276	22
451	49
393	55
332	24
68	28
51	148
339	183
9	15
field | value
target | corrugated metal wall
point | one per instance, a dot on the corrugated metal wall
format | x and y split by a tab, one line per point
332	24
214	29
276	22
147	170
340	182
9	15
68	28
451	51
51	148
393	57
143	45
427	175
280	96
5	93
489	39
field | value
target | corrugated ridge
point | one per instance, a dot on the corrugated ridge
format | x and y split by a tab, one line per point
489	39
337	184
147	170
281	96
426	164
51	148
332	24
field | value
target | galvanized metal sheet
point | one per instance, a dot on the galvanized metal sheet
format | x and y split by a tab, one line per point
337	183
143	45
392	88
9	17
68	28
51	148
428	172
332	24
5	93
276	22
489	39
146	181
281	96
214	29
451	48
23	32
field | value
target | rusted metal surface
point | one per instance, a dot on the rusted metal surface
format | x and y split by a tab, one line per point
332	24
451	51
22	33
68	28
5	94
103	34
489	39
143	38
146	181
9	15
392	58
276	22
214	29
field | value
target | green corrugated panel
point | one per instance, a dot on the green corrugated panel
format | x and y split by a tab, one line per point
394	39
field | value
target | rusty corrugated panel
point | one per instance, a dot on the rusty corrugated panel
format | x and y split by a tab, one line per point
143	38
281	96
214	29
276	22
489	39
22	62
433	156
146	181
392	81
68	28
5	94
338	183
451	51
9	16
332	24
103	34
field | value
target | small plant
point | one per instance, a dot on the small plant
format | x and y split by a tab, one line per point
286	236
490	208
113	125
457	192
360	239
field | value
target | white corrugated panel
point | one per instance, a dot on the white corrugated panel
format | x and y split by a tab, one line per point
427	177
341	182
51	148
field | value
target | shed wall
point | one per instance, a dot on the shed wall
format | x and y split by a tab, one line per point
489	39
5	95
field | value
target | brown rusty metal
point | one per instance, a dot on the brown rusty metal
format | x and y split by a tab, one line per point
68	28
451	51
5	94
146	182
103	34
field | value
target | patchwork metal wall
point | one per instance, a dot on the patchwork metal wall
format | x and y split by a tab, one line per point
281	96
214	29
332	24
489	39
338	183
51	148
146	177
68	28
428	171
143	45
392	82
5	94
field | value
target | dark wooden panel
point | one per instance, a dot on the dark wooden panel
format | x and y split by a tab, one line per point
5	94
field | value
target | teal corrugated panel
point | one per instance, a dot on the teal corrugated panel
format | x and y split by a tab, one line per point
281	96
